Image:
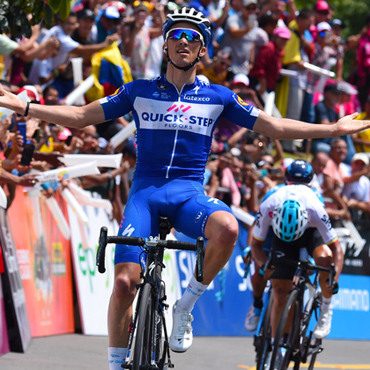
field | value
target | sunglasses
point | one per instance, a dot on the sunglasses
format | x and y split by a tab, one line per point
189	35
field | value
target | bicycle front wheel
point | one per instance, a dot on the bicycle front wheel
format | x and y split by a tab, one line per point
144	332
264	338
283	352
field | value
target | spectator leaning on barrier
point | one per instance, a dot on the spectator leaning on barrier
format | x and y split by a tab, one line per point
357	193
67	45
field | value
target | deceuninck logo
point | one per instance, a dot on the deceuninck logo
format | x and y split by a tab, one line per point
176	107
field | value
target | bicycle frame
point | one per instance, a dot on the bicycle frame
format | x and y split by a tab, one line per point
297	315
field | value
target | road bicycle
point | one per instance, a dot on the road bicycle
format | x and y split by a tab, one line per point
299	344
148	347
262	340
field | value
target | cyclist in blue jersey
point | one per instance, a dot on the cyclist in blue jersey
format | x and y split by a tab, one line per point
175	116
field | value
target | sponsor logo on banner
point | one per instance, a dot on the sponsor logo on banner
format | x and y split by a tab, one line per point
44	262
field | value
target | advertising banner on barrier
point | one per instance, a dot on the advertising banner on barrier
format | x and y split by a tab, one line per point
45	265
222	309
4	342
356	255
93	289
17	319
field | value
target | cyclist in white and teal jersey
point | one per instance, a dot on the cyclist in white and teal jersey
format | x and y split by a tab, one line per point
298	219
298	172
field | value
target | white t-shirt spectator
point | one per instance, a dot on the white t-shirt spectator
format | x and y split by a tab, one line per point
44	68
359	190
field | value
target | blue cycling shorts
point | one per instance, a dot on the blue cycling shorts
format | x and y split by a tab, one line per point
182	201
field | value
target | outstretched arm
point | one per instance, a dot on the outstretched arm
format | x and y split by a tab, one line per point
70	116
284	128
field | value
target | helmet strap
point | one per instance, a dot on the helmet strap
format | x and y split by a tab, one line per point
189	66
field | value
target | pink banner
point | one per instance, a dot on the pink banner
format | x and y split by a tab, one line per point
4	342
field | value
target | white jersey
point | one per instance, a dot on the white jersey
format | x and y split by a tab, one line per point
317	215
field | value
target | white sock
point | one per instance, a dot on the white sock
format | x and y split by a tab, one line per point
191	295
325	304
116	357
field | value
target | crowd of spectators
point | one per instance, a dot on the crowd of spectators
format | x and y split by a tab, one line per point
258	47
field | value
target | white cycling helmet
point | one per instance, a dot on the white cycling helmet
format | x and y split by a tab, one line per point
289	220
192	16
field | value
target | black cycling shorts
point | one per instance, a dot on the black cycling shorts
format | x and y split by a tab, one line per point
310	240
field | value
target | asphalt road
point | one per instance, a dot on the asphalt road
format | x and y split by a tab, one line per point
77	351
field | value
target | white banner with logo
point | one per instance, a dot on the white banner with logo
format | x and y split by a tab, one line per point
93	289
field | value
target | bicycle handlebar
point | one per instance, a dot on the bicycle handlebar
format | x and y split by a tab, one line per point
104	239
306	265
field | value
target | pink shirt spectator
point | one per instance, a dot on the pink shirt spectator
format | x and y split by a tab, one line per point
268	64
363	59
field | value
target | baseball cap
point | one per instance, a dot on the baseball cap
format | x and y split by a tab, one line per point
282	32
141	8
323	26
333	88
86	13
347	88
337	22
111	12
322	5
241	78
249	2
31	92
361	157
63	135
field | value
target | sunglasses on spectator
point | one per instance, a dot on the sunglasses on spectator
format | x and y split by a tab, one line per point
189	35
251	8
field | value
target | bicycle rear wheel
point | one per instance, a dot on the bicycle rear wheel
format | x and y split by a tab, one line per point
144	331
282	353
264	338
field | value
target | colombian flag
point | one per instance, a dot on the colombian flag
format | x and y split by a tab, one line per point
110	71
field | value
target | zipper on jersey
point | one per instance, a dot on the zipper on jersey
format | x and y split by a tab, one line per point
176	135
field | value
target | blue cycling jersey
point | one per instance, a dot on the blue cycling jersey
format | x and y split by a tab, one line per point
175	128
